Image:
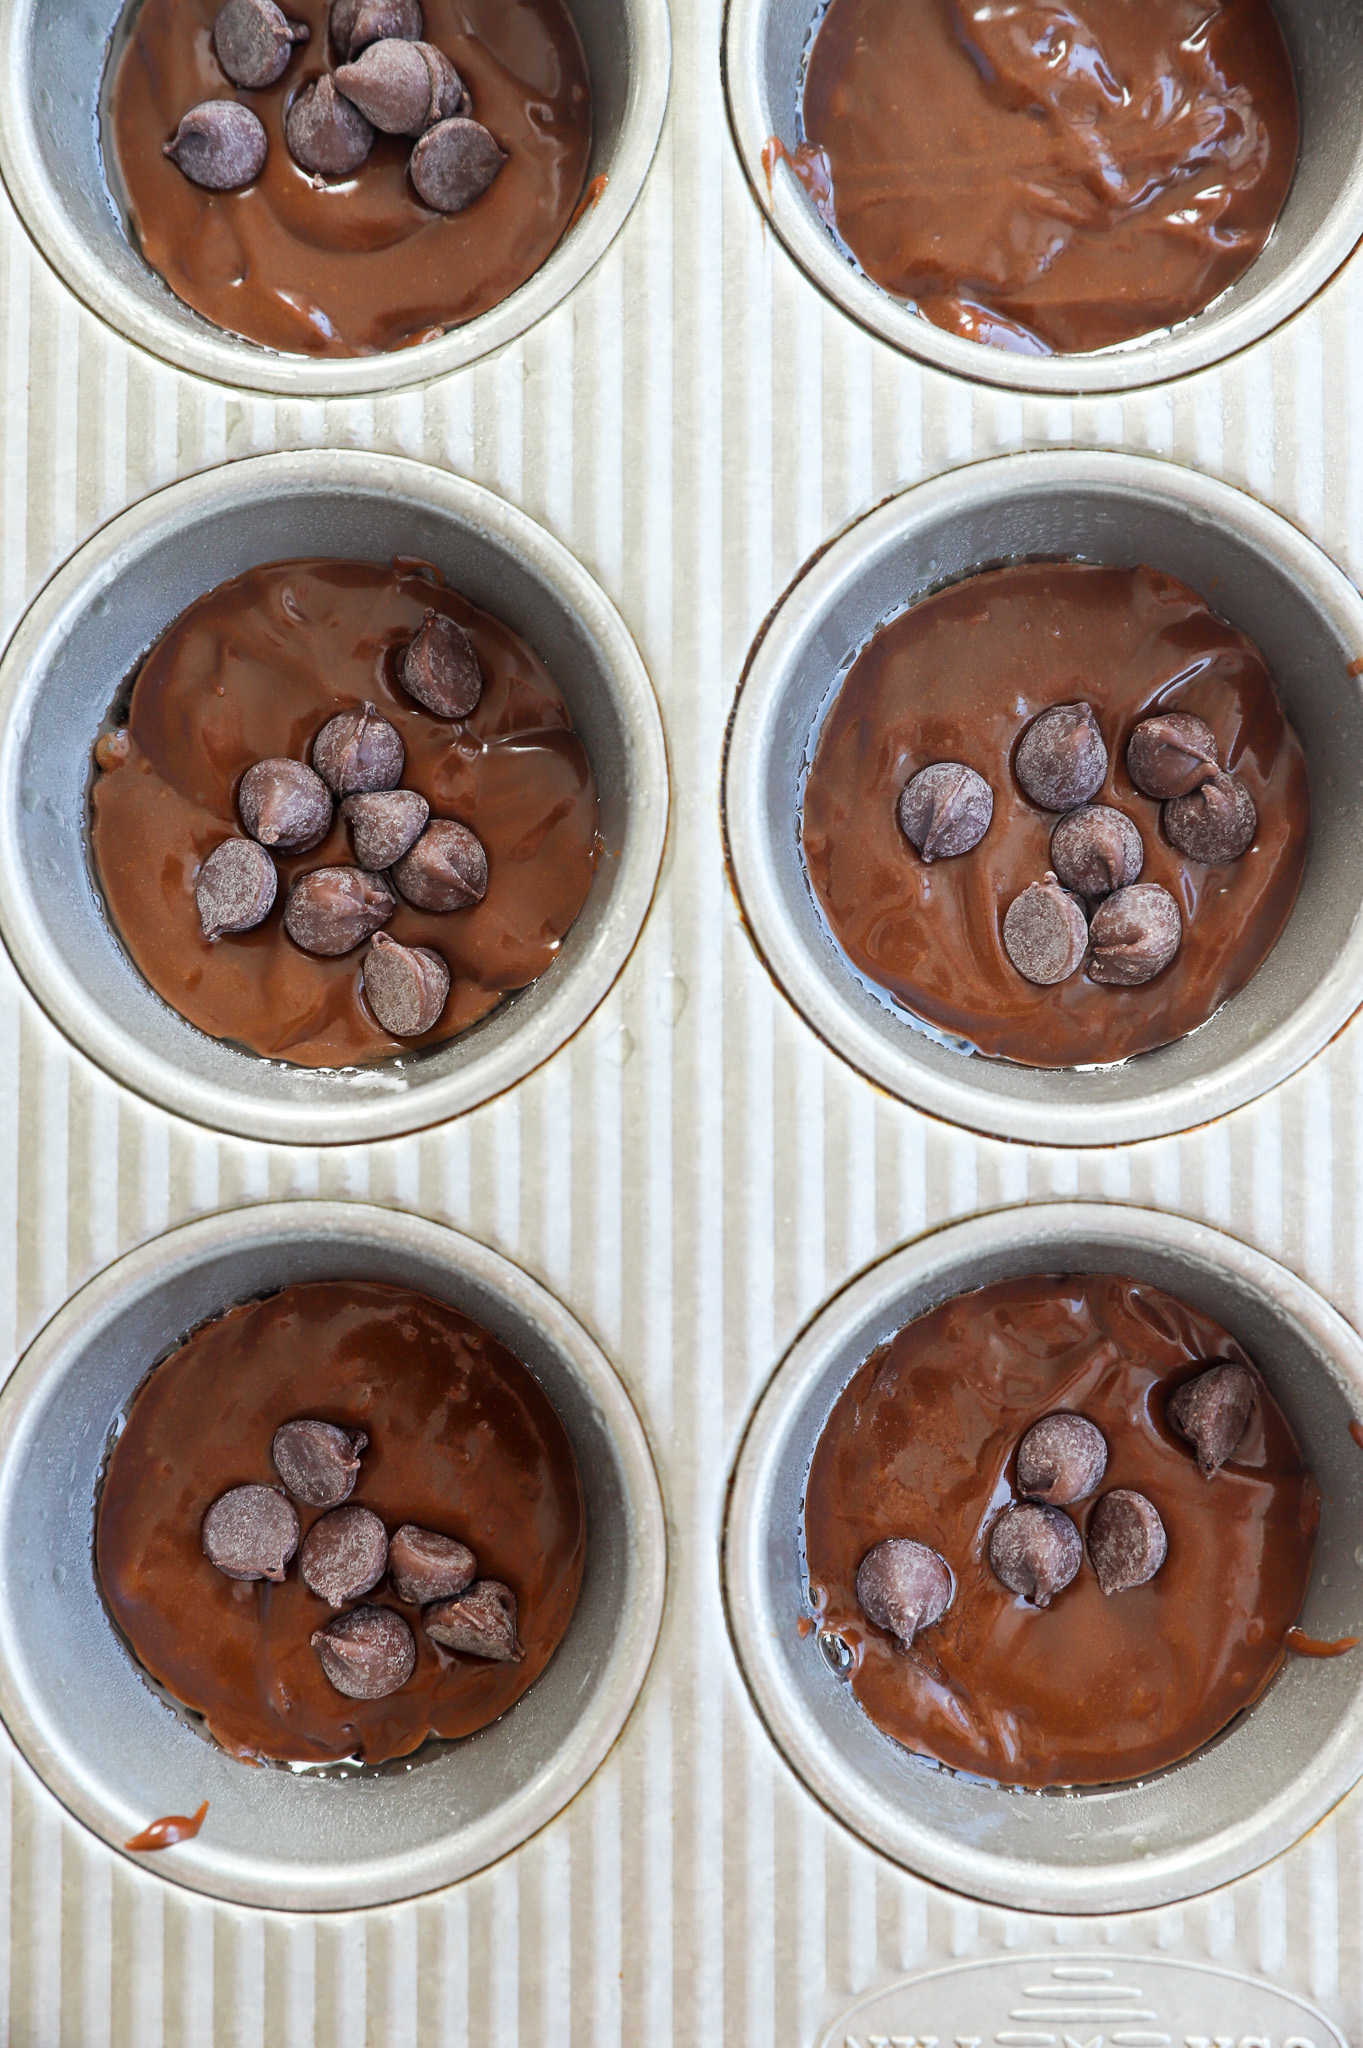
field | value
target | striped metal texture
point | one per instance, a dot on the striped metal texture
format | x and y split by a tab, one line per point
692	1174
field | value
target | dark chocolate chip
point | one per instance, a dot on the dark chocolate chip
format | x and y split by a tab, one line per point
1096	849
254	42
317	1461
945	810
1212	1412
344	1554
903	1586
250	1532
445	870
405	986
325	133
1171	754
454	163
236	887
334	909
284	804
219	144
1135	935
357	23
449	95
1061	760
366	1653
391	85
384	824
358	750
1216	824
1035	1551
424	1565
480	1623
1061	1459
1126	1539
440	668
1045	933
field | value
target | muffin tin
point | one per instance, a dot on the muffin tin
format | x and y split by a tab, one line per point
700	1841
52	65
765	46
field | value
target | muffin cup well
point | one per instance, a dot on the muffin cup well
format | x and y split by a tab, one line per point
765	46
52	60
86	633
109	1746
1249	1794
1252	568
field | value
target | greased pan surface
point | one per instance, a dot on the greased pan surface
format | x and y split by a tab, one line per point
693	1175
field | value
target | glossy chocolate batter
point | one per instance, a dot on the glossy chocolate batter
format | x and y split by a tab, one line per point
1049	177
957	678
1094	1689
255	669
361	266
461	1440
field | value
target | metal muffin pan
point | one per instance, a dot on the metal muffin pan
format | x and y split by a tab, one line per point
1254	569
52	59
85	634
1224	1811
116	1754
765	49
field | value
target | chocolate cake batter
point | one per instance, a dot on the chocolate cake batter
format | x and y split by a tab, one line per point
254	670
957	678
1049	177
1095	1688
461	1441
361	266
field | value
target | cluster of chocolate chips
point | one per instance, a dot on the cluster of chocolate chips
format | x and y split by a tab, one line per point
435	863
251	1532
1092	908
389	80
1035	1548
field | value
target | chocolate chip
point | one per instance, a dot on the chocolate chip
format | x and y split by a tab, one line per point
344	1554
405	986
358	750
426	1566
325	133
366	1653
903	1586
1045	933
445	870
334	909
1126	1539
219	144
384	823
391	85
440	668
236	887
254	42
1061	1459
1217	823
1213	1411
1171	754
449	94
1035	1551
1135	935
481	1623
317	1461
357	23
945	810
1061	760
454	163
284	804
250	1532
1096	849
